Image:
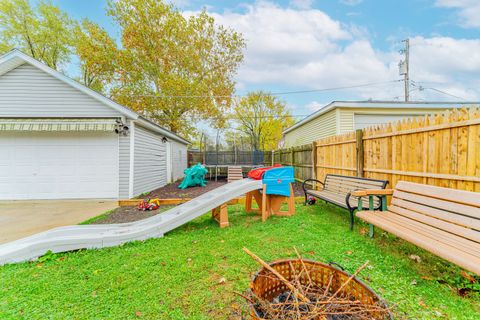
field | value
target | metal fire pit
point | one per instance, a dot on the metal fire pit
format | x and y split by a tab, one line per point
266	286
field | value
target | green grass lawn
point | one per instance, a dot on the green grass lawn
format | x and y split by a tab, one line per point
178	276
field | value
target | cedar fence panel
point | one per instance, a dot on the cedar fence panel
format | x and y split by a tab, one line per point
336	155
441	150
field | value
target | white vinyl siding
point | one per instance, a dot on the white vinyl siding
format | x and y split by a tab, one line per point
27	91
374	116
149	164
124	166
321	127
179	159
363	121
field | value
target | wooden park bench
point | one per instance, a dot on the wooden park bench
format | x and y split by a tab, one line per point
337	189
443	221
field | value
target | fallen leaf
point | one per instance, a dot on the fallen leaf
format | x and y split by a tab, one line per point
465	275
415	258
222	280
414	282
427	278
138	314
363	231
423	304
349	252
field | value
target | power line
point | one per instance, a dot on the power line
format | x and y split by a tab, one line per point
273	93
246	117
446	93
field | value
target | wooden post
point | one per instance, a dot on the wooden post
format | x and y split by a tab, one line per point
220	214
360	152
314	160
292	155
273	157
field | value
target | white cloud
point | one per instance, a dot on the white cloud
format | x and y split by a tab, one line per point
448	64
307	49
468	11
351	2
314	106
301	4
304	48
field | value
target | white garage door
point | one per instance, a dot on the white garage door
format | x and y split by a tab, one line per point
367	120
58	165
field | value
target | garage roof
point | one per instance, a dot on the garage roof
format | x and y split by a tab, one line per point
15	58
379	104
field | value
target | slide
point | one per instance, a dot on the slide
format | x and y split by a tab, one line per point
100	236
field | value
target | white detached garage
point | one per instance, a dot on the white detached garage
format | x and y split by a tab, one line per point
62	140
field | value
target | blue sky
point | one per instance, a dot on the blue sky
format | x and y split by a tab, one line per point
306	44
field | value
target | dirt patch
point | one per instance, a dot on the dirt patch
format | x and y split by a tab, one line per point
129	214
297	189
171	190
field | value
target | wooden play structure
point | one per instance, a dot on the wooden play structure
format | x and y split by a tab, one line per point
234	173
276	190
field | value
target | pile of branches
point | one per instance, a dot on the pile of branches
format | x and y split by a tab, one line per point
309	301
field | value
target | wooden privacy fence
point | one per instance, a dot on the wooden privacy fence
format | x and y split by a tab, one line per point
299	157
441	150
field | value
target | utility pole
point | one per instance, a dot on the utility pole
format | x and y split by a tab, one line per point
404	68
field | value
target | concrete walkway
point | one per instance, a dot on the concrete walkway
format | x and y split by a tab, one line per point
19	219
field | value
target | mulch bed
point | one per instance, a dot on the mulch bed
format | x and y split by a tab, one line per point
129	214
170	191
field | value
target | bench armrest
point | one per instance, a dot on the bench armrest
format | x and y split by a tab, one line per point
305	182
372	192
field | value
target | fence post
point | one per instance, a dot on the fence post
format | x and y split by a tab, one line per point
314	160
273	157
292	156
360	153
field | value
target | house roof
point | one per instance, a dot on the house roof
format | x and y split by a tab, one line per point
16	58
379	105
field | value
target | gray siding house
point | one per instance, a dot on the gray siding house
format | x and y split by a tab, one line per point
62	140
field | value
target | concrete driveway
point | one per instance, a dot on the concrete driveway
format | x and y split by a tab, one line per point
19	219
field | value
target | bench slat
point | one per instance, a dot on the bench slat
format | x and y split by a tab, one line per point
437	214
467	246
340	198
354	184
459	196
443	250
437	223
328	197
438	203
354	199
354	179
